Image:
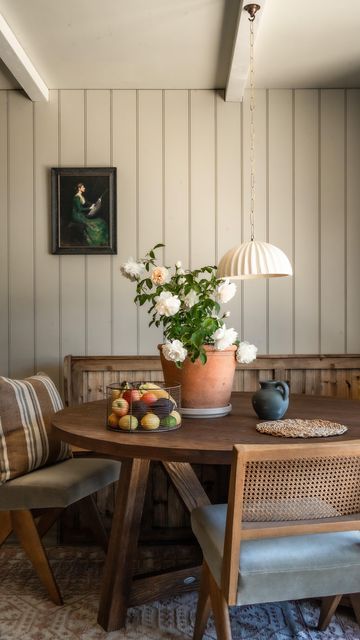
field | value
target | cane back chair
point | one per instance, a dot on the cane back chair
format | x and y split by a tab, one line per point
290	531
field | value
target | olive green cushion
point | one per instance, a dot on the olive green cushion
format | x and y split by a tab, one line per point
275	569
58	485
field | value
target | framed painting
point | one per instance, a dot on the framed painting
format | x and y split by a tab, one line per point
83	210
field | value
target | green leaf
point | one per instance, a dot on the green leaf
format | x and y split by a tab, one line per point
198	338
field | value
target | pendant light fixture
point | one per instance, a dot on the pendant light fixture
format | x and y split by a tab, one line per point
253	259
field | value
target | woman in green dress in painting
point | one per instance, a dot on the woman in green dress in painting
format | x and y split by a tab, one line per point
95	229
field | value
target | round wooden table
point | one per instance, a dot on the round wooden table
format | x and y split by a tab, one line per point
208	441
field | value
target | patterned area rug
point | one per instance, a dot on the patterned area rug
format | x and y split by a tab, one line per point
27	614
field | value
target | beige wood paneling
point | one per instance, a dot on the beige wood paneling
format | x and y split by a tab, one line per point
21	235
4	226
202	178
47	266
98	267
183	160
72	268
306	229
332	221
124	320
229	191
150	195
176	177
353	221
280	167
255	298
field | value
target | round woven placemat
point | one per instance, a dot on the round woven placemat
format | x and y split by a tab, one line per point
298	428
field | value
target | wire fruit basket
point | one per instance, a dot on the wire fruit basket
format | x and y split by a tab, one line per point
145	407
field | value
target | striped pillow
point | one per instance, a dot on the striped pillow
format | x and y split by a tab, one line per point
26	410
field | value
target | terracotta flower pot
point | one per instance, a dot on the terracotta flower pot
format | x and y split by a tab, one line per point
203	385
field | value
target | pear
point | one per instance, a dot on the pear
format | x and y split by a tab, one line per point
149	385
150	421
128	423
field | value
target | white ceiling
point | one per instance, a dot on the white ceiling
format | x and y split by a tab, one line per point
125	43
183	43
309	44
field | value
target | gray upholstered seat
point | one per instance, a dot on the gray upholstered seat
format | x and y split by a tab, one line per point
289	568
59	485
47	492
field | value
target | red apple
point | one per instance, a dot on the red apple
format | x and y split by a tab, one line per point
120	407
148	397
131	395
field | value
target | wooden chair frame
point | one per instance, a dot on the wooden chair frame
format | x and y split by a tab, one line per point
23	524
218	599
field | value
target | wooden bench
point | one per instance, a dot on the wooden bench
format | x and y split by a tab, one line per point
86	377
165	519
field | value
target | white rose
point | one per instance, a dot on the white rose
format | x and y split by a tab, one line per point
224	338
167	304
132	270
160	275
178	264
246	352
174	351
225	291
191	298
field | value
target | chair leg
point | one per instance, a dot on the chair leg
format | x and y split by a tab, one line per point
355	603
27	533
5	526
327	610
47	520
220	610
91	513
203	605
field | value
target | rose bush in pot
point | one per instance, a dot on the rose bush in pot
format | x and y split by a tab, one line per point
187	304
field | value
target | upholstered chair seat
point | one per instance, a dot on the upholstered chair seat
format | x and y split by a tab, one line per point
276	569
59	485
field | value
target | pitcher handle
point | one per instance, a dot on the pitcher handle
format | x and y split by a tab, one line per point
284	389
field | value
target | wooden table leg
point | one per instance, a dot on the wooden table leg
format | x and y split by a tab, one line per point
121	557
188	485
119	590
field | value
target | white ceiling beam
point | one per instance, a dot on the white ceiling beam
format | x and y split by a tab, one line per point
20	65
239	65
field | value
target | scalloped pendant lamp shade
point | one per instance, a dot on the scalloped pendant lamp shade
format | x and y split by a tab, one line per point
254	259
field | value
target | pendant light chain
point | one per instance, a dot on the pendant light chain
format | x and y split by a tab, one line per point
252	132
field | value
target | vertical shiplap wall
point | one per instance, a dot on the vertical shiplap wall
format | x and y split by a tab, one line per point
183	178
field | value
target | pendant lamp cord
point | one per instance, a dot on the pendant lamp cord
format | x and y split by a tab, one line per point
252	131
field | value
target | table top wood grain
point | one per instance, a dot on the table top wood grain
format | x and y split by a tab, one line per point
205	440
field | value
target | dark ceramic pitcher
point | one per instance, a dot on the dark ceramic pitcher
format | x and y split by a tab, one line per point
272	400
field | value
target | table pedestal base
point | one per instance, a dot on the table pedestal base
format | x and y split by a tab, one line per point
120	589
